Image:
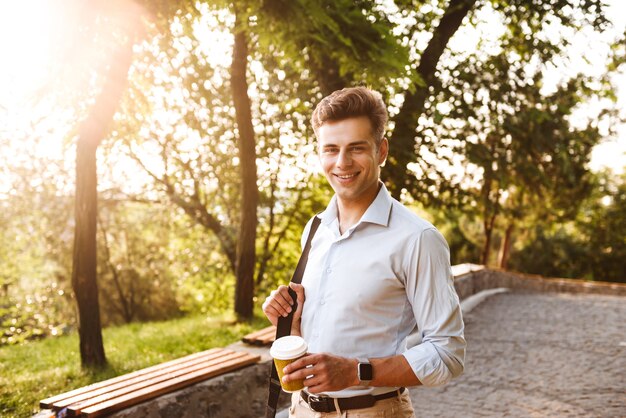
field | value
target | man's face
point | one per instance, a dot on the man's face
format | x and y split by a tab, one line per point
350	160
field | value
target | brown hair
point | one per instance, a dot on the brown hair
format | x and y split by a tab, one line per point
352	102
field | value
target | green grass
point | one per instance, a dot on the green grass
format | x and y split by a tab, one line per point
37	370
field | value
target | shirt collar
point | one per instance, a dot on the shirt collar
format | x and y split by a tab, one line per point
377	213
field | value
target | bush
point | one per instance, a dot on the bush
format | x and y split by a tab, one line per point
35	316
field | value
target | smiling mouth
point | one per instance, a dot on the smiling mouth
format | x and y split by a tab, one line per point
346	176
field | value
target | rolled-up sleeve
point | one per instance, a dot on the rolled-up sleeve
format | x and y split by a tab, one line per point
440	355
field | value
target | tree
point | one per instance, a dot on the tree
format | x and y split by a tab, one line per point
84	278
592	246
91	133
230	212
214	188
246	146
338	43
524	23
524	159
403	137
602	226
124	20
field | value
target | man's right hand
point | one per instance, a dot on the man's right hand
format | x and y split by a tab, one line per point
280	303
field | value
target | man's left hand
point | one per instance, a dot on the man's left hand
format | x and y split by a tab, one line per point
323	372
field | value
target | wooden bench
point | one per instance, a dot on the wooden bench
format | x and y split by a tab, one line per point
115	394
261	337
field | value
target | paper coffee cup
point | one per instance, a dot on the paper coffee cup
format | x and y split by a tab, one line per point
286	350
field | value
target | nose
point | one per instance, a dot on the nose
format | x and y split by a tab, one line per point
344	159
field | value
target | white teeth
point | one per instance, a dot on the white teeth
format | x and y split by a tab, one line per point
347	176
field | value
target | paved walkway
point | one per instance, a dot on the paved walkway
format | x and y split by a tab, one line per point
538	355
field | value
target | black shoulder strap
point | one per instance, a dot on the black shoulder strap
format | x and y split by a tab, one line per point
283	327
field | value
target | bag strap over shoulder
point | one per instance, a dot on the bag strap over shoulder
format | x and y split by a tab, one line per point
283	328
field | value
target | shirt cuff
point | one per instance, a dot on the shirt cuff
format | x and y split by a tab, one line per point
427	365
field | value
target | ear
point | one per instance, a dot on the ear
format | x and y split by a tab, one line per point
383	150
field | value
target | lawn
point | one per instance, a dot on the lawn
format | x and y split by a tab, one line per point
37	370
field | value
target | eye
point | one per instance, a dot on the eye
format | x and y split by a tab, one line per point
357	148
330	150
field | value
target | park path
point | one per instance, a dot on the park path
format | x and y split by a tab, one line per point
538	355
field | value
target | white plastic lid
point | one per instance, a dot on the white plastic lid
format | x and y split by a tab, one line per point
286	348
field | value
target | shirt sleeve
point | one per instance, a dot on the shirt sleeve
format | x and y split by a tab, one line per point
440	355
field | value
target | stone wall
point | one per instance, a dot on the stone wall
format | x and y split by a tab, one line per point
478	279
239	394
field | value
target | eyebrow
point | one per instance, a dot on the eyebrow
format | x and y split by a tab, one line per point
351	144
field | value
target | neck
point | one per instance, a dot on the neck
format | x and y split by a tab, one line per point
350	212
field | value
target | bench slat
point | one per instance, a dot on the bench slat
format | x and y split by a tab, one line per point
108	386
256	334
49	402
264	336
153	391
267	340
175	375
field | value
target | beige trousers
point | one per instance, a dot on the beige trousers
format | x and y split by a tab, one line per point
398	407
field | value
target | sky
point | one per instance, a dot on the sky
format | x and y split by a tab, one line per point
612	153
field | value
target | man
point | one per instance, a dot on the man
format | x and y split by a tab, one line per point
376	273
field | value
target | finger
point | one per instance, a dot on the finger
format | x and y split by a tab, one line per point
278	308
271	303
315	388
302	363
272	314
277	300
299	289
284	298
300	374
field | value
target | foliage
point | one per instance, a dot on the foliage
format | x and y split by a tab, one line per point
462	234
283	248
35	296
35	316
603	225
552	252
593	246
339	43
524	155
135	277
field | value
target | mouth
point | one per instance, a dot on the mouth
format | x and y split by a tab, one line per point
346	176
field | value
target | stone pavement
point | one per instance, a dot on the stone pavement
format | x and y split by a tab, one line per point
538	355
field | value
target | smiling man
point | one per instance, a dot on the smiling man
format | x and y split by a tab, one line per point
376	274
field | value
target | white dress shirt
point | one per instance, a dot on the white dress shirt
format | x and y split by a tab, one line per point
385	278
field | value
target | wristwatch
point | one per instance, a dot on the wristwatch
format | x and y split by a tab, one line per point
365	372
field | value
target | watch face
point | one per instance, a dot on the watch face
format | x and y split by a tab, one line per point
365	372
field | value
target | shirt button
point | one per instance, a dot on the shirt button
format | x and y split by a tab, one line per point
322	302
328	271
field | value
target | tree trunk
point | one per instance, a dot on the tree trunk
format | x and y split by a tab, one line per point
402	149
84	269
84	280
246	242
488	227
505	249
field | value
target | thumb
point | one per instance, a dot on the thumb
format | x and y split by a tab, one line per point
299	289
